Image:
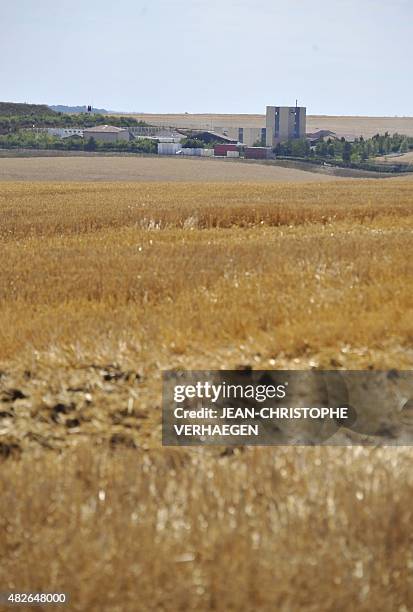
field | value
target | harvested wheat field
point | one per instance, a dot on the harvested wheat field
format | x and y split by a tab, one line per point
404	158
349	126
103	286
116	168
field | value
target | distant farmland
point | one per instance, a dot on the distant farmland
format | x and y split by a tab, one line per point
346	126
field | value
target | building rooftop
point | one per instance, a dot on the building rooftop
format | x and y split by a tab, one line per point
208	134
321	134
108	129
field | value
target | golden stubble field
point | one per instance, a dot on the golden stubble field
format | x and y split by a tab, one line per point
104	285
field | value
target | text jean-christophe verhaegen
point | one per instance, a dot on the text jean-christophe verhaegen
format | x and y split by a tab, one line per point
275	407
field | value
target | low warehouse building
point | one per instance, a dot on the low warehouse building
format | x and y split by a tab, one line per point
106	133
248	136
209	137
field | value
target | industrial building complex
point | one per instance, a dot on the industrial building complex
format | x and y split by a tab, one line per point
282	123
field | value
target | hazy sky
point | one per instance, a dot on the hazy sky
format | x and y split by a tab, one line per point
336	56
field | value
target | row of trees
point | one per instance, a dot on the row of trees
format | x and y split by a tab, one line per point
362	149
342	150
14	123
138	145
30	140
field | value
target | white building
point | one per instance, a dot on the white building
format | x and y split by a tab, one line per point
168	148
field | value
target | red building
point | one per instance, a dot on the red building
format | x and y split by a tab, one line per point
258	153
221	149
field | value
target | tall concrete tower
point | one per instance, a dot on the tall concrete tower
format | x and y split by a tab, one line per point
285	123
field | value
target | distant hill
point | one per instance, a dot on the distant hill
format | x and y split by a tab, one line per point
75	110
15	117
16	109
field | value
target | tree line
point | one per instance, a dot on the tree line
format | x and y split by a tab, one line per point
32	140
345	151
14	123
